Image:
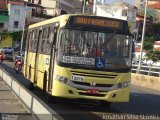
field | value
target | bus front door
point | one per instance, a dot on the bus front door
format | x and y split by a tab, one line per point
52	59
37	56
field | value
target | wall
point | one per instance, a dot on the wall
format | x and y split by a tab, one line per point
146	81
54	7
16	17
4	21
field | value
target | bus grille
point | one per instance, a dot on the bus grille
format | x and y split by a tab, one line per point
88	84
87	94
87	74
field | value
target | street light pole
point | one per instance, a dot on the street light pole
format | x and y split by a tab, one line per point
22	38
83	6
143	35
94	6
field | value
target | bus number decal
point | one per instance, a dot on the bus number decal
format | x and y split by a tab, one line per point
77	78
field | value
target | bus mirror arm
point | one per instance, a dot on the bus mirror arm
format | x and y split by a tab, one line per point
55	49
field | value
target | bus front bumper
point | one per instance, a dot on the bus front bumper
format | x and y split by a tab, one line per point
110	95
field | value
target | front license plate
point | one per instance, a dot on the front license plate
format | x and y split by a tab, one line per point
77	78
92	91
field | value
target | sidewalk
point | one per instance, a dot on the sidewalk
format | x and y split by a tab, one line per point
10	105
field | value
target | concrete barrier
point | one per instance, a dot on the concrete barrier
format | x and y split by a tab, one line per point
34	105
146	81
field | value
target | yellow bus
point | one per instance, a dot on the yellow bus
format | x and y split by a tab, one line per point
80	57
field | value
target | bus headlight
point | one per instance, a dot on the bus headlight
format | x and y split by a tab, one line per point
61	79
123	85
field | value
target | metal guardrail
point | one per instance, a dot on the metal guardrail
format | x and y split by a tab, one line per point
147	70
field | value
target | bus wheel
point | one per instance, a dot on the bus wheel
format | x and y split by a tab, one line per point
105	104
29	74
31	86
45	81
49	98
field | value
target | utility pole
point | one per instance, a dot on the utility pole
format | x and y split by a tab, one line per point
143	35
94	6
22	38
83	6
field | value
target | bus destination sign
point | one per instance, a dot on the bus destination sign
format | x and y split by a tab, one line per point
97	22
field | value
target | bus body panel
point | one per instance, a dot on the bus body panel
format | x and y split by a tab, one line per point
42	67
122	95
30	65
62	90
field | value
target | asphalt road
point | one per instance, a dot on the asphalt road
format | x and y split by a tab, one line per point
144	104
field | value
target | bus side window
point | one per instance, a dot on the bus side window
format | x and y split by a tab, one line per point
43	43
27	41
36	40
51	40
48	41
32	42
55	36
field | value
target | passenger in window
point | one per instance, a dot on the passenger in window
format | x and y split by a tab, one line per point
106	50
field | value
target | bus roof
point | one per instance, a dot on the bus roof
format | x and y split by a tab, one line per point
54	19
88	22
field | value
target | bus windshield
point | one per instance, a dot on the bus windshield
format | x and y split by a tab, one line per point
94	50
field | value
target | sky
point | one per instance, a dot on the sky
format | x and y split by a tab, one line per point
112	1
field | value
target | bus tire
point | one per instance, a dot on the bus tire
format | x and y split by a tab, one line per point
31	86
29	74
49	97
105	104
45	81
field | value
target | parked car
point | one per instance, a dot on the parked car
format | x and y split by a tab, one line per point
137	62
7	49
8	55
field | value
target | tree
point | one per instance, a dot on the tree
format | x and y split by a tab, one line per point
156	29
16	36
7	39
148	43
148	46
153	56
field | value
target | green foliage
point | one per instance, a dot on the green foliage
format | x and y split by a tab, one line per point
147	46
148	55
16	36
150	12
6	41
150	39
156	56
148	43
153	55
9	38
156	29
3	35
